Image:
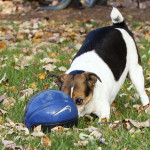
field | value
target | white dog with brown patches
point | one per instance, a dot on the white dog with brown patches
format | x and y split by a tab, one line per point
100	68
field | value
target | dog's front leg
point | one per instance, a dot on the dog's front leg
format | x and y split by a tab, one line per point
103	110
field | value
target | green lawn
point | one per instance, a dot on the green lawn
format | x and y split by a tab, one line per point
23	48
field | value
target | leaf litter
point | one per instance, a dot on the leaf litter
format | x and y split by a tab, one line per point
36	34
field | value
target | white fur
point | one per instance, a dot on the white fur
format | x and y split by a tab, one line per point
72	88
116	16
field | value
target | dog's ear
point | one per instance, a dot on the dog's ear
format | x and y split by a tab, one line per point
91	79
59	78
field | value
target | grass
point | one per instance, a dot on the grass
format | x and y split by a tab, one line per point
15	75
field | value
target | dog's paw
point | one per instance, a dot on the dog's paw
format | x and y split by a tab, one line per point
147	108
103	119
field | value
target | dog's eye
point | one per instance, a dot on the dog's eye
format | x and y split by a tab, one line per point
79	101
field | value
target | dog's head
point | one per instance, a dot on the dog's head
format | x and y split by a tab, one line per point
79	87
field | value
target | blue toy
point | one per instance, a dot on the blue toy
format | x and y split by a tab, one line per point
50	108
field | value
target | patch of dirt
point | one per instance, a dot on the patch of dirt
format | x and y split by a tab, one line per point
98	13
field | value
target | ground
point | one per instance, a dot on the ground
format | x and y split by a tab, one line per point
98	13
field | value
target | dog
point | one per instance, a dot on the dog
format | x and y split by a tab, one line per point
99	69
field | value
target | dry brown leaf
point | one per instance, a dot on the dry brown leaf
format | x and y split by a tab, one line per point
46	141
48	60
96	134
9	102
9	123
8	144
21	127
59	129
33	86
2	97
12	88
37	134
62	68
38	128
84	136
147	108
3	112
3	78
149	62
90	129
127	125
2	45
41	75
38	34
81	143
1	120
138	124
132	130
115	125
49	67
53	55
46	86
36	40
26	93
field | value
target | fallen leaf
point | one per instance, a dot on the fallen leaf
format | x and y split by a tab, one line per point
22	127
12	88
126	105
1	120
26	93
132	130
62	68
38	128
59	129
96	134
49	67
138	124
3	112
48	60
9	123
81	143
8	144
9	102
33	86
46	141
3	97
41	75
3	78
37	134
46	86
147	108
36	40
83	136
115	125
90	129
2	45
53	54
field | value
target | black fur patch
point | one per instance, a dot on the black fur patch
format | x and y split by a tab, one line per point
87	90
109	44
76	72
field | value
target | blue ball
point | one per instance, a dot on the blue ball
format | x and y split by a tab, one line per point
50	108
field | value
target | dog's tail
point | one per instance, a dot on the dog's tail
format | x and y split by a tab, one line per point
116	16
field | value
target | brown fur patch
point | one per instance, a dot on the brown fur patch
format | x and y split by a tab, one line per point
79	84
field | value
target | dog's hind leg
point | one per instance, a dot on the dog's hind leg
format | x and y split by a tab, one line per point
137	78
